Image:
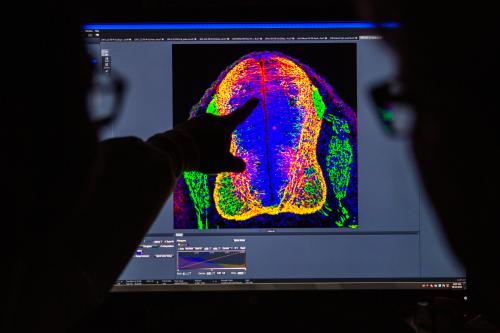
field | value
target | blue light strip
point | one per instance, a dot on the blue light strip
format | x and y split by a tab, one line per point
220	26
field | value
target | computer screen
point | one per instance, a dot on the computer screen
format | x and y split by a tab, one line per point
328	199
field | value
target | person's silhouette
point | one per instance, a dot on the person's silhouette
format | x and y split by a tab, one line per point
79	208
447	63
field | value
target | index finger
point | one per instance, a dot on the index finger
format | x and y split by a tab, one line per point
239	115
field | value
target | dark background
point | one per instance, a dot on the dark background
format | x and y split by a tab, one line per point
196	67
215	10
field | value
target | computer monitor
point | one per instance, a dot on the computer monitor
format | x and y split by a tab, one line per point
328	199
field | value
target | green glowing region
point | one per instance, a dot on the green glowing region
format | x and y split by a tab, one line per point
198	191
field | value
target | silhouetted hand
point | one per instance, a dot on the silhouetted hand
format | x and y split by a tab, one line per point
211	136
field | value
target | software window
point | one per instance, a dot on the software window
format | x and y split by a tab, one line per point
327	200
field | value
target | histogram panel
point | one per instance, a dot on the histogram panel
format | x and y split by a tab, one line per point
213	260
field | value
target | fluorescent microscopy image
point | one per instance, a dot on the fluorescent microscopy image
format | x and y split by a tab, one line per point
299	146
